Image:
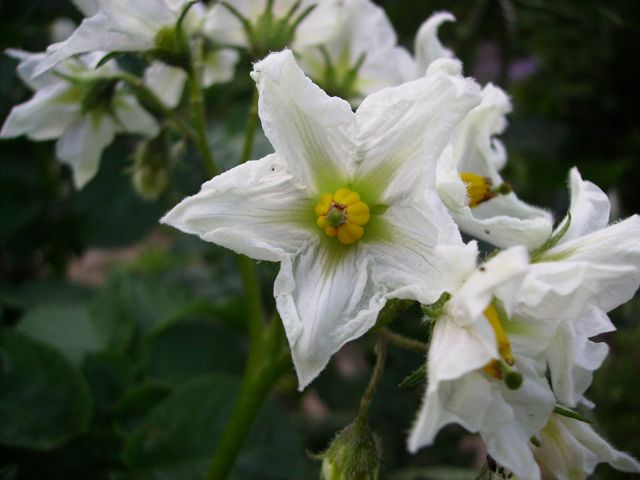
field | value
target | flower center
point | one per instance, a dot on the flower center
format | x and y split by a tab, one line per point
480	189
343	215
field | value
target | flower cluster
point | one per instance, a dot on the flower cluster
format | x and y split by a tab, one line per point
367	206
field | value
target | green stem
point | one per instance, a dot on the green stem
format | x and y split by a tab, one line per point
402	341
376	375
255	388
199	115
254	306
252	124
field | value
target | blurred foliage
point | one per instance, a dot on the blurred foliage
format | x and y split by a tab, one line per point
133	377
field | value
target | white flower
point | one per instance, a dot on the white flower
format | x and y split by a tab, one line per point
84	110
570	450
360	177
564	299
117	26
427	47
362	57
468	176
471	365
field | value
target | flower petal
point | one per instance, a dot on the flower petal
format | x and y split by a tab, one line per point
464	401
455	351
514	417
427	45
501	276
119	26
87	7
607	260
418	253
403	130
219	66
132	118
309	130
326	297
572	449
256	209
82	144
166	82
572	357
46	115
589	208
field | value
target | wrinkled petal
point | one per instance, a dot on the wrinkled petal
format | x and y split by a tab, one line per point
82	144
219	66
514	417
455	351
427	45
501	276
589	207
311	131
326	297
132	118
416	254
464	401
166	82
506	419
572	357
255	209
403	130
119	26
607	262
571	449
46	115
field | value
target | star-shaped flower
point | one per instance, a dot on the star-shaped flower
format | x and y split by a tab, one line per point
346	203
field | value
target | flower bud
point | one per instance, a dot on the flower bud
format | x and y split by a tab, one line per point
354	454
150	174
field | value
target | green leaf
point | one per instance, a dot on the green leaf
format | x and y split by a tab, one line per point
179	436
109	375
68	328
44	400
187	349
136	403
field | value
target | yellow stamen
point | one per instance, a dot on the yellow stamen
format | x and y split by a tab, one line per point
494	367
479	188
342	215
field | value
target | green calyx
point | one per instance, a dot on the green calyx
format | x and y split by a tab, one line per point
99	95
340	77
171	46
354	454
271	33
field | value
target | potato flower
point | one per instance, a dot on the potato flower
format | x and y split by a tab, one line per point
346	203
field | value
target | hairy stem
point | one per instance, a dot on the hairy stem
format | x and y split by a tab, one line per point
376	375
402	341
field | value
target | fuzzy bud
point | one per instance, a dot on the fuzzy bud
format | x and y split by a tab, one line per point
354	454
